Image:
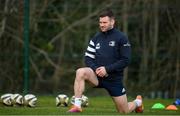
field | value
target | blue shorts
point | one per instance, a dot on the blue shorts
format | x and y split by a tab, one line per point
114	88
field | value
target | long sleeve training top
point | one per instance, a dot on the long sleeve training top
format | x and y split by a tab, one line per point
110	49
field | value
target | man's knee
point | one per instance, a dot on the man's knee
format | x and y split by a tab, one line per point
123	109
81	73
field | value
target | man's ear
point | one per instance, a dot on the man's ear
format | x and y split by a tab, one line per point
112	21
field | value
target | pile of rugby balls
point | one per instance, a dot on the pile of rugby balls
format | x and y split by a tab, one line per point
63	100
9	99
85	100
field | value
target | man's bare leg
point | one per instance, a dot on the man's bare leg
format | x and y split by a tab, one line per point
122	104
82	75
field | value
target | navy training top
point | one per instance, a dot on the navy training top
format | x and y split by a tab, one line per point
110	49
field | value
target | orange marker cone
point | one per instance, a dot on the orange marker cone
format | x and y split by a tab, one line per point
171	107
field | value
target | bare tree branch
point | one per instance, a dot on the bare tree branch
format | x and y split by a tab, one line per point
4	19
45	54
79	22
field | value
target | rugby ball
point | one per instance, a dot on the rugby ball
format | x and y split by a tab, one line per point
30	100
84	103
17	99
6	99
62	100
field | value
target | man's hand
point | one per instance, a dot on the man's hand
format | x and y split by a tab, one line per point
101	71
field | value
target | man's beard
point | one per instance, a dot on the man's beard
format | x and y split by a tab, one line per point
109	28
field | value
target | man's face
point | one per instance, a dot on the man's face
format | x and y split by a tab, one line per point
106	23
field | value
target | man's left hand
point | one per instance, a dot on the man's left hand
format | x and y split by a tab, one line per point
101	71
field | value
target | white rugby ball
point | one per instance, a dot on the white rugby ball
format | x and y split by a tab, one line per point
17	99
84	103
30	100
6	99
62	100
72	99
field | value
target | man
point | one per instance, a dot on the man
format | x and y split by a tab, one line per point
107	54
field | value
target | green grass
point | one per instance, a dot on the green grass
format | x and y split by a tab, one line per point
98	106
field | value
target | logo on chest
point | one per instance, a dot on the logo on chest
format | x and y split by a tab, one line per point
98	46
112	43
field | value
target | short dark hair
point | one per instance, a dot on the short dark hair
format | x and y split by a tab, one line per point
106	12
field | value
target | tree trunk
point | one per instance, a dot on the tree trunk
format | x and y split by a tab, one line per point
125	30
177	64
58	71
145	52
155	39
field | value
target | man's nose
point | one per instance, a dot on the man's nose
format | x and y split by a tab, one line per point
101	24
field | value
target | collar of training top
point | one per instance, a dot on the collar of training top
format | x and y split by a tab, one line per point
109	31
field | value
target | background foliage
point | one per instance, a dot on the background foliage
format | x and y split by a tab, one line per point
61	29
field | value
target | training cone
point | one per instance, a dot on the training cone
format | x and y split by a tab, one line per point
158	106
177	102
171	107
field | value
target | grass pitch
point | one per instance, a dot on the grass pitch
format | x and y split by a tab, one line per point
98	106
